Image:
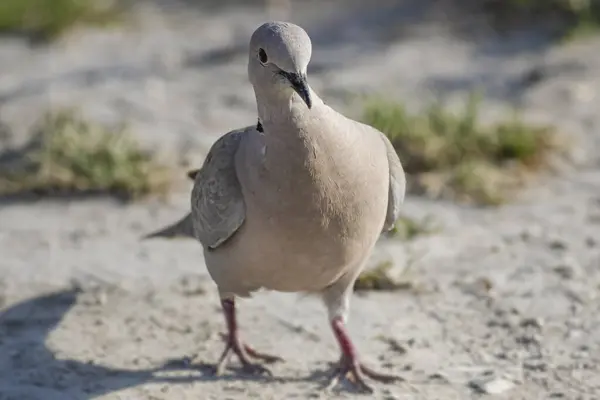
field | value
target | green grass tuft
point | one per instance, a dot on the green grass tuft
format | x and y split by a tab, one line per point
454	155
380	278
70	155
408	228
47	19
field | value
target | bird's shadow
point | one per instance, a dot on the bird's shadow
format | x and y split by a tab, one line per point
29	369
321	377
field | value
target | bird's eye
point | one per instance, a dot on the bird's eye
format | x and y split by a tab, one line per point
262	56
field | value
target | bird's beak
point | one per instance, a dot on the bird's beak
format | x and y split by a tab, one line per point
300	86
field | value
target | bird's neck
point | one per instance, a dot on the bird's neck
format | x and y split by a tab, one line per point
284	108
287	121
296	140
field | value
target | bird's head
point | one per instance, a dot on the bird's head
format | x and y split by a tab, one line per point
278	57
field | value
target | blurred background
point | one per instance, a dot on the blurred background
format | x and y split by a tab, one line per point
174	71
492	105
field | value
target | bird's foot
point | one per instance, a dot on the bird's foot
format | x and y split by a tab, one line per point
349	366
355	372
245	353
233	344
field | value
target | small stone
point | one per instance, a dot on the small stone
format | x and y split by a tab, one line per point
396	346
580	355
438	377
575	334
480	286
536	323
495	323
527	339
557	244
568	268
491	385
535	365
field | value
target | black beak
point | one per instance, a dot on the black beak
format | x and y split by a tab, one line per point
300	85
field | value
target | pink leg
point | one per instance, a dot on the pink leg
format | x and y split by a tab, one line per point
349	366
235	345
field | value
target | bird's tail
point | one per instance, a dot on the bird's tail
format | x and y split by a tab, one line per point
180	229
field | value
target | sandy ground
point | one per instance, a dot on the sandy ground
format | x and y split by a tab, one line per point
507	296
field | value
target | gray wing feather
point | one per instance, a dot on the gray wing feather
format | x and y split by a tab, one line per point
397	185
218	207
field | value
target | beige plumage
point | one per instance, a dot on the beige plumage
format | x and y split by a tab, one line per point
296	203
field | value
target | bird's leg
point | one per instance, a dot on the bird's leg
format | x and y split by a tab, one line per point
337	300
233	344
349	365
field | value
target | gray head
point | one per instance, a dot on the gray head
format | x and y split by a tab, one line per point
279	55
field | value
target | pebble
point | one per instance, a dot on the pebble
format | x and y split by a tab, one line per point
491	385
439	378
495	323
528	339
395	345
557	244
536	323
535	365
568	268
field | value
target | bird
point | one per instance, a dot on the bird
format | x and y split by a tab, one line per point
293	203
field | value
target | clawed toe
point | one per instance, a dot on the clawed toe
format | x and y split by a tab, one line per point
349	367
244	354
268	358
357	381
248	367
355	374
234	345
251	352
379	376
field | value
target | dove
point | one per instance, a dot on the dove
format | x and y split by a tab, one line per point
294	203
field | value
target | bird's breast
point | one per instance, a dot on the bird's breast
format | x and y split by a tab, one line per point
321	194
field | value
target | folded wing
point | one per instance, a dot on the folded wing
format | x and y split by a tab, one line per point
218	208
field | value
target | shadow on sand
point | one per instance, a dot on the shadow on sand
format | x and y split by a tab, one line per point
29	370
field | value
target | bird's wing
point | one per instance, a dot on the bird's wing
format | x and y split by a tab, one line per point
397	185
218	208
